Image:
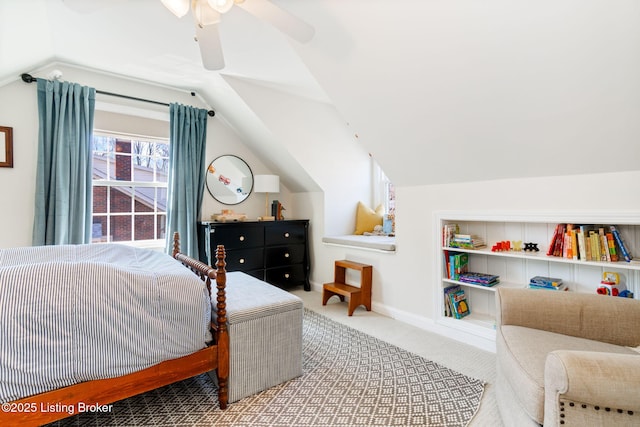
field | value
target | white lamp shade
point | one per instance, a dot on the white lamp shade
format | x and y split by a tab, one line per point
177	7
222	6
204	14
266	183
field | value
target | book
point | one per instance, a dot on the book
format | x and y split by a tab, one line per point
561	287
448	306
552	244
458	263
481	279
604	246
448	231
466	241
620	242
459	304
612	247
582	249
558	248
545	281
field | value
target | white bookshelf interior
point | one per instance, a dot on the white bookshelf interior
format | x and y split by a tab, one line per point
516	268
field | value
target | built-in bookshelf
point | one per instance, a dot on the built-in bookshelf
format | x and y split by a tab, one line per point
516	268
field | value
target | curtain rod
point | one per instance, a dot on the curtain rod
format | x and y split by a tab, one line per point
28	78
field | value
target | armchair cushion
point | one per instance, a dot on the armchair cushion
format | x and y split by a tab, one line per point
535	326
583	386
522	356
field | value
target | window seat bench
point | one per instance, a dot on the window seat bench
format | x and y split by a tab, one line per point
376	243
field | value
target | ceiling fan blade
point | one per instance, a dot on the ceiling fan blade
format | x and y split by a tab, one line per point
210	47
279	18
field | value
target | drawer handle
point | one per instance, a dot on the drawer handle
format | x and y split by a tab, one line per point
241	260
286	255
242	238
286	234
286	275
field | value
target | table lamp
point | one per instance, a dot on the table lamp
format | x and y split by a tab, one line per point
266	184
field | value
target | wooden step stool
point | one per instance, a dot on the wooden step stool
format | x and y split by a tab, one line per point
357	295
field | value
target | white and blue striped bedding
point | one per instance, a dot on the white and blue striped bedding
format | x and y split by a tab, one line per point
74	313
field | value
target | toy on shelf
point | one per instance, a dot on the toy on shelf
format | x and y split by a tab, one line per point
506	245
531	247
610	285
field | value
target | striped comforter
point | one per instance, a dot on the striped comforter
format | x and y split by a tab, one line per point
74	313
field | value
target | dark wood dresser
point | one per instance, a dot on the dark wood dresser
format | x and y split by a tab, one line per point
274	251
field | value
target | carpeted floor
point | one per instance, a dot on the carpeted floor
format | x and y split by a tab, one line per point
350	379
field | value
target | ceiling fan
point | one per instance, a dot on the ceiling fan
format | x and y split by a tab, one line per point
207	16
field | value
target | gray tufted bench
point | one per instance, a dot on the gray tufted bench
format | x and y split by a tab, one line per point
265	335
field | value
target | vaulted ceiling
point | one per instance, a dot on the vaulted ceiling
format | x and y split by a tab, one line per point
437	90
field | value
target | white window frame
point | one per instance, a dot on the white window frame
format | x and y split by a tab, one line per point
111	183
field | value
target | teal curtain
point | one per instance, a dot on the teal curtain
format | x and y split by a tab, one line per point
186	179
63	178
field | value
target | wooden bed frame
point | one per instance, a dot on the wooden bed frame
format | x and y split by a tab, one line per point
62	403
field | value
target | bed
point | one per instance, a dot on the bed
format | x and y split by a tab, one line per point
77	335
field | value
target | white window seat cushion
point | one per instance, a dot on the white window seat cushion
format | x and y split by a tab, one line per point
379	243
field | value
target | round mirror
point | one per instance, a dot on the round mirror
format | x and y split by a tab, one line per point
229	179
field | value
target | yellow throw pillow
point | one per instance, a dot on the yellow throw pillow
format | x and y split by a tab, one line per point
367	218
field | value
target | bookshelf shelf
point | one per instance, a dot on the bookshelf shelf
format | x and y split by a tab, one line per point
517	268
538	256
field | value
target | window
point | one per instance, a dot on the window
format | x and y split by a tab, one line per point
384	191
129	188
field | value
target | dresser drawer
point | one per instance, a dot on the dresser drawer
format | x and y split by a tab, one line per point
286	277
276	256
284	234
238	237
245	259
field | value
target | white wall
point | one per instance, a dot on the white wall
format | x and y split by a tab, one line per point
405	283
19	111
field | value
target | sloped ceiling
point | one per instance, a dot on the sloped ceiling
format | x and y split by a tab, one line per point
437	90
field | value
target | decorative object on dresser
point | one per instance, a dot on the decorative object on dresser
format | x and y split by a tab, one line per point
267	184
274	251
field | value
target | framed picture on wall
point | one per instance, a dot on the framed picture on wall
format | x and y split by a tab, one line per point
6	147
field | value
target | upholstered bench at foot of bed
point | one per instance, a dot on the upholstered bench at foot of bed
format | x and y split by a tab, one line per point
265	335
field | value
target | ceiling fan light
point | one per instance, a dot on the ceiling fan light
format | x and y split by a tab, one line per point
203	14
222	6
177	7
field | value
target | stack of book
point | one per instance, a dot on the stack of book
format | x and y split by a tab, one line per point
456	263
467	241
589	243
550	283
455	302
481	279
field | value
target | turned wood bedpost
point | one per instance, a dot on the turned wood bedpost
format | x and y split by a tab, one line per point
222	332
176	244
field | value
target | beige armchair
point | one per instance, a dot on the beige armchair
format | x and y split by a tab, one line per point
567	358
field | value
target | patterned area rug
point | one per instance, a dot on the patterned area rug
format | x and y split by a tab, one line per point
350	379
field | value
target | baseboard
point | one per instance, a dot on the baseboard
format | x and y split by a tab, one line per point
426	324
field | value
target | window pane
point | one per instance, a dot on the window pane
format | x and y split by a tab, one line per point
120	199
144	227
99	229
161	199
144	199
162	225
120	228
99	199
